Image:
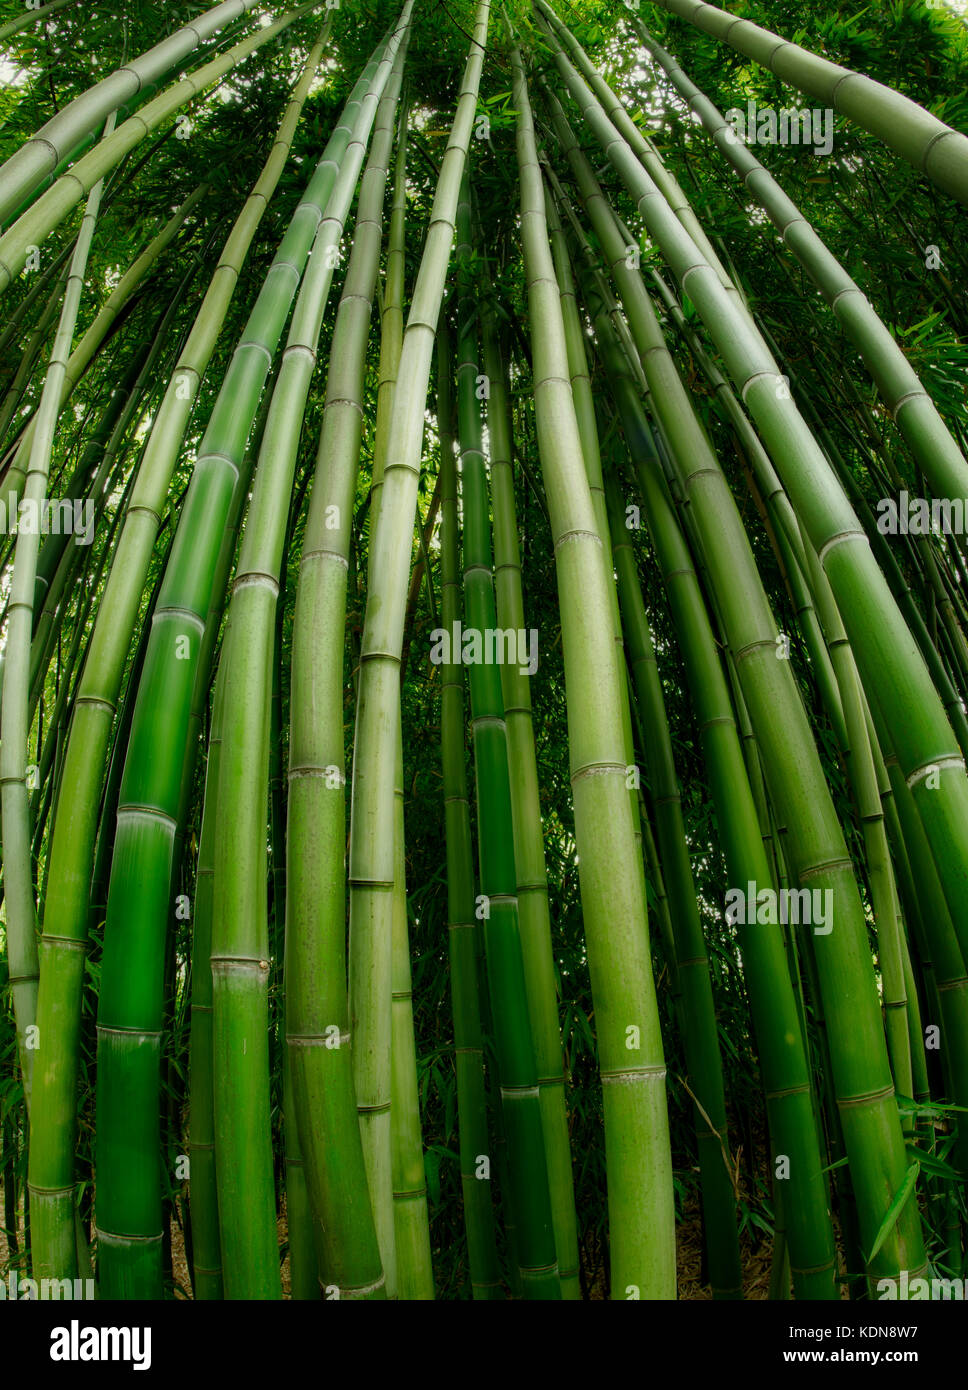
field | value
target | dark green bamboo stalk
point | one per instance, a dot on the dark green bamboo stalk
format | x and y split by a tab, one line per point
130	1002
75	828
514	1048
534	911
462	925
372	865
612	882
699	1015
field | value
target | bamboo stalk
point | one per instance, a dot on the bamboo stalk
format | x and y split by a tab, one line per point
612	884
72	844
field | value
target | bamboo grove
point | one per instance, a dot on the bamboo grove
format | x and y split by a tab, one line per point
485	654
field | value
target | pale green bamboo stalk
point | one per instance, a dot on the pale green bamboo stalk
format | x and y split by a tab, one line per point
909	403
886	652
239	912
54	205
82	356
641	1208
73	837
372	812
20	905
820	858
414	1266
41	154
928	145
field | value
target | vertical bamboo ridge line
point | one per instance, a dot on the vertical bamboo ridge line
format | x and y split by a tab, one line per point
41	154
699	1013
792	765
928	145
530	1195
643	147
75	827
886	652
240	929
638	1162
783	1060
348	1250
411	1226
371	867
462	925
910	404
130	1013
588	436
54	205
534	909
80	359
20	904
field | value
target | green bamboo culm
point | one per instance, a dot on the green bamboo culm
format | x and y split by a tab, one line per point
887	655
240	932
20	904
38	16
130	1012
698	1009
638	1164
35	225
909	403
463	927
348	1252
21	173
372	854
530	1196
928	145
534	909
783	1058
72	848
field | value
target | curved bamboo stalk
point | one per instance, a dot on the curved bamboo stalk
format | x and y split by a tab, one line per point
372	809
928	145
818	853
130	1013
886	652
640	1198
75	829
20	903
909	403
239	919
53	206
42	153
